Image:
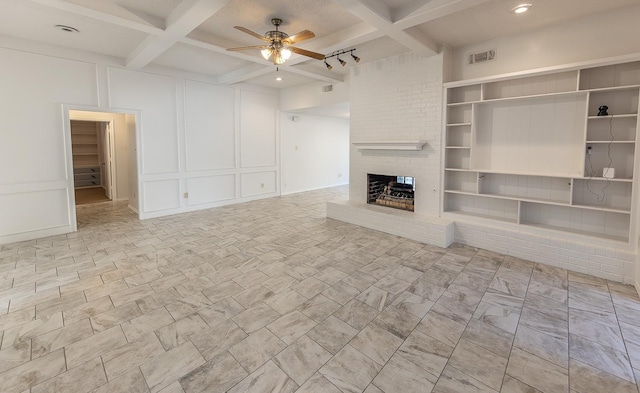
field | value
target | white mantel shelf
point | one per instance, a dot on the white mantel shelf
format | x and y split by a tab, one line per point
389	145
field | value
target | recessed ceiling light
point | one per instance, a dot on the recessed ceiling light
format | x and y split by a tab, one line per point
522	8
278	78
67	29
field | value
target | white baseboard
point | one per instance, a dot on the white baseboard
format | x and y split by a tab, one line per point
24	236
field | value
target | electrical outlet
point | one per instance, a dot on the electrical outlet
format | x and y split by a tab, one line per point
588	150
186	195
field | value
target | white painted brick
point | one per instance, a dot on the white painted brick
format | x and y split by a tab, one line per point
607	261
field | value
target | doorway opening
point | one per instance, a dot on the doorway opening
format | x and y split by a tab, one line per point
91	146
104	159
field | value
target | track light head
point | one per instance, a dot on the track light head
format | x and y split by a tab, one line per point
355	58
329	67
342	62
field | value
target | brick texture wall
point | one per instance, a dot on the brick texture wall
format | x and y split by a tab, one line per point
398	98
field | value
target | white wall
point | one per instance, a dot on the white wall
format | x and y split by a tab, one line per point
121	146
399	98
314	153
132	152
311	95
177	111
602	35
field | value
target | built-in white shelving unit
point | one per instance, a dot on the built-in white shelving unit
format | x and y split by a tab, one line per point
86	154
532	150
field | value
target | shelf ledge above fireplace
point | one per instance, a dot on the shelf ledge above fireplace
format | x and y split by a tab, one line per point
389	145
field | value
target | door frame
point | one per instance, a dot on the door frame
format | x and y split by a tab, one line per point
66	126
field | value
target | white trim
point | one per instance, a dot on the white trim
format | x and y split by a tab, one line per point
390	145
547	70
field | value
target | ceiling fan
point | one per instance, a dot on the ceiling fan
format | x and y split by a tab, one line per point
277	45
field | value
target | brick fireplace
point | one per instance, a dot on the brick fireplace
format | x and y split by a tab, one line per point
395	131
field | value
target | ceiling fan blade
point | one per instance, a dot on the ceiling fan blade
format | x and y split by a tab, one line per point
245	30
308	53
301	36
249	47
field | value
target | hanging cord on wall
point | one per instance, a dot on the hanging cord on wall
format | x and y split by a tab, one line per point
598	197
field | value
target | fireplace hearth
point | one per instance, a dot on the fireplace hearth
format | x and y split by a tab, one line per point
391	191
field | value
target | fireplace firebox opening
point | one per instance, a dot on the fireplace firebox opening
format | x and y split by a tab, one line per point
392	191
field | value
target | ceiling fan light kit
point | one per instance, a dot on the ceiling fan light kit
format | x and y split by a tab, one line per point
277	47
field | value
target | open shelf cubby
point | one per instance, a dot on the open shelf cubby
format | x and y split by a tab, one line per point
531	150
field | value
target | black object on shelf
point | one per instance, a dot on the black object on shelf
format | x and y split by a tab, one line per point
602	111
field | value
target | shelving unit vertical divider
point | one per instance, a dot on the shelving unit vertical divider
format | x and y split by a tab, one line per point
519	215
634	231
472	137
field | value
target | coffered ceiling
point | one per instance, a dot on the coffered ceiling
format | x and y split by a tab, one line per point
193	34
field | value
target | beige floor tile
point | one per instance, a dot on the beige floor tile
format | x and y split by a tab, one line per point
585	378
318	383
332	334
96	345
276	268
318	308
356	314
402	375
15	355
130	382
181	331
302	359
538	373
38	370
170	366
120	360
29	330
87	310
425	352
490	337
453	380
84	378
268	378
479	363
350	370
10	320
396	321
105	290
441	327
601	357
257	349
157	300
188	305
292	326
115	316
150	322
131	294
56	339
214	377
218	339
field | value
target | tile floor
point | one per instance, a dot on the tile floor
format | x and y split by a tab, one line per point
270	296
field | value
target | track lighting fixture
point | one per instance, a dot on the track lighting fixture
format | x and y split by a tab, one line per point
337	55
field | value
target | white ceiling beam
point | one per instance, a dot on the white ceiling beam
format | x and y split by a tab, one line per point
409	8
434	10
378	15
186	17
242	74
105	11
325	76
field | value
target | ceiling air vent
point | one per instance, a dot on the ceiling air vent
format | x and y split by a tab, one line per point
482	57
327	88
